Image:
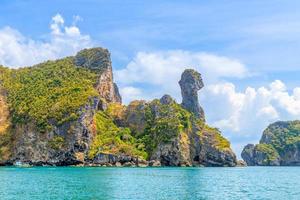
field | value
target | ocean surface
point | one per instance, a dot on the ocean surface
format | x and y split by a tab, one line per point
40	183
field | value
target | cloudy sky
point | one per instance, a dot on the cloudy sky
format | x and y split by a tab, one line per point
246	51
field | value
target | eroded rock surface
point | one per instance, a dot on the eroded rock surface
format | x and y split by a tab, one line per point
191	83
65	143
102	132
5	138
179	138
98	60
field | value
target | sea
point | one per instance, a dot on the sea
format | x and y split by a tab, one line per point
88	183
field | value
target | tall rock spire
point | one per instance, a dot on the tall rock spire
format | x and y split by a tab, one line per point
191	83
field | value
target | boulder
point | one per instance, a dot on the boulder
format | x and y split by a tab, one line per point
166	100
241	163
154	163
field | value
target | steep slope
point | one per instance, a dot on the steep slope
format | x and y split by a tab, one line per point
279	145
99	62
5	138
53	105
69	112
173	135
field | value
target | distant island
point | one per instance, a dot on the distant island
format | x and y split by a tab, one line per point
278	146
69	112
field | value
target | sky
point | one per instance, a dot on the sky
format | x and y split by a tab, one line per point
246	51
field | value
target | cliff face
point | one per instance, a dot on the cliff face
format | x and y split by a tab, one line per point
65	142
176	135
69	112
279	145
98	60
4	117
4	128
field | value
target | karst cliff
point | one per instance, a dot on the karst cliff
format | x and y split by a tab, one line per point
278	146
69	112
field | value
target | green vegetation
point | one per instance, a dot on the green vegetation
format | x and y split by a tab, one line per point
163	122
284	135
95	59
269	151
114	140
52	90
216	138
155	123
4	114
222	143
116	111
56	142
53	93
5	142
150	125
278	139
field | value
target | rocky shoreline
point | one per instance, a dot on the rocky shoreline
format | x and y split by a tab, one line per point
102	160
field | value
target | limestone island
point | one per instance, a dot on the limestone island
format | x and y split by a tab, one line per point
278	146
69	112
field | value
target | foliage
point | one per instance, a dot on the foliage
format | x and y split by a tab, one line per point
95	59
269	151
163	123
4	114
283	135
56	142
116	111
112	139
219	141
5	148
279	138
52	90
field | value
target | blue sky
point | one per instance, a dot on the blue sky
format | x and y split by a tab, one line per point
247	51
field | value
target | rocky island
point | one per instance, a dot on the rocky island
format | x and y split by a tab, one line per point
278	146
69	112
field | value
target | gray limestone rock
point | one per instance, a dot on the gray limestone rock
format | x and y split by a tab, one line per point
191	83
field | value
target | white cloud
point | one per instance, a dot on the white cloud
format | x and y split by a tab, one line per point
57	24
268	111
277	85
253	109
58	19
131	93
164	69
76	19
16	50
155	67
242	116
226	107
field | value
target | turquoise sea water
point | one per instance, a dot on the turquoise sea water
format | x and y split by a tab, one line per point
149	183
